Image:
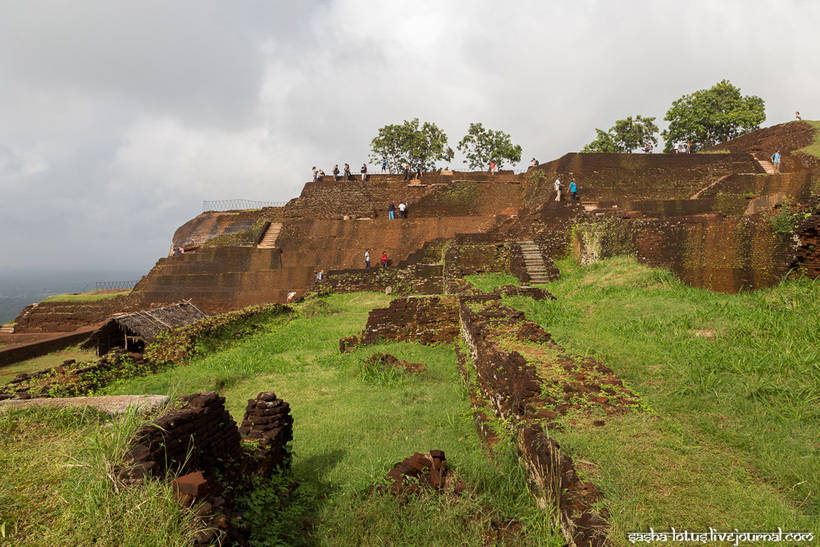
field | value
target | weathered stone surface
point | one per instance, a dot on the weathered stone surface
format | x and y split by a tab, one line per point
192	484
426	470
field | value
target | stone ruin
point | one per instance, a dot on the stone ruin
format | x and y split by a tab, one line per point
215	460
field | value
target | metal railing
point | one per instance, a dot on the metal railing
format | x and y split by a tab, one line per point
109	285
238	204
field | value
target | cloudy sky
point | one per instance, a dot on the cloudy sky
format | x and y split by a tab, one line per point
118	118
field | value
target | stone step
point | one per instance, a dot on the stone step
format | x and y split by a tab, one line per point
271	235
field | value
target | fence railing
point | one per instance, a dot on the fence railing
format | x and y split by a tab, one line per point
109	285
238	204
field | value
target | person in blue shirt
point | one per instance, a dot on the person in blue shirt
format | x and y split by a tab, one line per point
573	190
776	161
384	165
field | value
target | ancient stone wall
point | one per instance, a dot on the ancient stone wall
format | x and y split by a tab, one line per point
636	176
415	279
807	253
426	319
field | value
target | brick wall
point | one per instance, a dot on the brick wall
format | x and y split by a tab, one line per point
414	279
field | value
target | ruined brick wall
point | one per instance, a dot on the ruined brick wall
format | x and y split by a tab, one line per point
512	387
708	251
634	176
807	253
201	427
209	225
426	319
199	434
414	279
472	254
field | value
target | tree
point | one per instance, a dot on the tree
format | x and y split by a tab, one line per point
625	136
407	142
481	146
711	116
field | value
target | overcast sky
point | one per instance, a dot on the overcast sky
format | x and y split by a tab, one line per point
118	118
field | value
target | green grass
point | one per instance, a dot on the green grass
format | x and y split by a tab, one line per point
351	427
733	382
56	488
814	148
488	282
53	359
91	296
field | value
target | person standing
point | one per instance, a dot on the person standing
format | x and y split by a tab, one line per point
367	259
405	167
492	168
364	172
534	163
573	190
347	172
315	174
384	165
418	169
776	161
336	172
391	211
797	116
384	259
403	210
557	189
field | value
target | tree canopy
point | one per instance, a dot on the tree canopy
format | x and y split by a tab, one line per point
711	116
625	136
407	142
481	146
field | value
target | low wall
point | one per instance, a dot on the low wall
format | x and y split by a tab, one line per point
414	279
426	319
15	354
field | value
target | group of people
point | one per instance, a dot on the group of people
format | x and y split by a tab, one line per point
392	208
319	174
382	259
573	189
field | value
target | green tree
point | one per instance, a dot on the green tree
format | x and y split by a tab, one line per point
625	136
481	146
407	142
711	116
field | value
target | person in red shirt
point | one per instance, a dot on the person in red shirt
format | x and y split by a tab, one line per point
384	259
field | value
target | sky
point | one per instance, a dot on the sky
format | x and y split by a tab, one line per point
117	119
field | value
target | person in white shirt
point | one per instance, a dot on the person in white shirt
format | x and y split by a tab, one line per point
367	259
557	189
403	209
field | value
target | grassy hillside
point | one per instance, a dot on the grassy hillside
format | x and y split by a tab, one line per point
814	148
727	435
732	383
351	427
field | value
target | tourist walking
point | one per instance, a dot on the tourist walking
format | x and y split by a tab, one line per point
405	167
384	165
573	190
364	172
384	259
776	161
336	172
557	189
367	259
347	172
403	209
391	211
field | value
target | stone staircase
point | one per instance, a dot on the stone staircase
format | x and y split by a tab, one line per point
7	329
271	235
767	166
536	268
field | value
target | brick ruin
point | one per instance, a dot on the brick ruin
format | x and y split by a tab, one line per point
216	461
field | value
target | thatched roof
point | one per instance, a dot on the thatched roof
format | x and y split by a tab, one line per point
148	324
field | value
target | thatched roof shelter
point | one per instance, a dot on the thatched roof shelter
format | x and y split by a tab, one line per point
133	331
